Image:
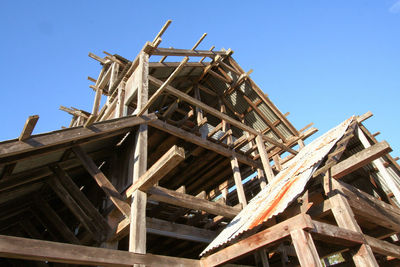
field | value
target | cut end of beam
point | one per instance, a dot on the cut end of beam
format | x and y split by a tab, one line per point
365	116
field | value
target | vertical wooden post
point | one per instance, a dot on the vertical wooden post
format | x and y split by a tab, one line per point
137	237
382	169
344	217
261	178
264	158
305	248
238	181
264	257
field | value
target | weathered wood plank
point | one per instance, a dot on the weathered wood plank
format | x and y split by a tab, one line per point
360	159
32	249
264	159
163	166
201	142
13	150
237	177
186	52
102	181
305	248
28	127
191	202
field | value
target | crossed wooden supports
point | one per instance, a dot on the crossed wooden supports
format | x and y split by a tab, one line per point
102	230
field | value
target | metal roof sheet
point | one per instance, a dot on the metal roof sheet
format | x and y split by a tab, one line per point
286	186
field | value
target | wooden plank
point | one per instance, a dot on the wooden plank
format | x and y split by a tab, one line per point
264	158
201	142
344	217
237	177
218	114
191	202
102	181
305	248
369	207
382	169
360	159
383	247
186	52
43	143
176	64
163	166
332	234
32	249
179	231
28	127
95	57
259	240
138	162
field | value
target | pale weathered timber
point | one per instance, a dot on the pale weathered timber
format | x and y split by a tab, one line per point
305	248
28	127
32	249
163	166
360	159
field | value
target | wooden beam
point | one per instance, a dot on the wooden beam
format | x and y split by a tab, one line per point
201	142
13	150
191	202
138	164
163	166
163	86
238	181
360	159
75	195
264	158
32	249
102	181
28	127
382	169
305	248
383	247
176	64
187	52
179	231
257	241
53	217
218	114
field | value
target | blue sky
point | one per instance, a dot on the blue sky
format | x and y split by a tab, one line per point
322	61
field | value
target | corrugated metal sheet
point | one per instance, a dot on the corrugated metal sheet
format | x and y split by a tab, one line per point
286	186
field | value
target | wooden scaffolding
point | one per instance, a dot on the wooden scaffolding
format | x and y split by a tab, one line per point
176	152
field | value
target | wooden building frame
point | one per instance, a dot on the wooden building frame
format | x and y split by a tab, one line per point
175	153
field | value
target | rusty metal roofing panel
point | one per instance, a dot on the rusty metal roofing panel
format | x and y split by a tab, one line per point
286	186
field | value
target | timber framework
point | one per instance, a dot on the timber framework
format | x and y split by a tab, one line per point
189	163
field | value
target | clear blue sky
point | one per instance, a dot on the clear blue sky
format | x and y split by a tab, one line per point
320	60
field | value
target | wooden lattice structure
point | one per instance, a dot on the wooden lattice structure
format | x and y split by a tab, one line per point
175	153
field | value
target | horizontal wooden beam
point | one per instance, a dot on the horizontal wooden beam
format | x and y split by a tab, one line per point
183	96
185	135
259	240
163	166
179	231
191	202
360	159
28	127
13	150
176	64
187	52
32	249
383	247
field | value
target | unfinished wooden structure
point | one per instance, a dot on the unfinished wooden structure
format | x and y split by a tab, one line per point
175	153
